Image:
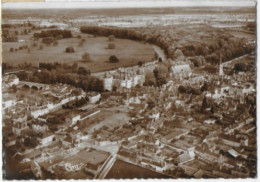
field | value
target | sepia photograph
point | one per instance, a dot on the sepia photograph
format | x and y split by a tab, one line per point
129	90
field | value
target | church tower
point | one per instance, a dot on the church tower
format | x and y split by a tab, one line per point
221	73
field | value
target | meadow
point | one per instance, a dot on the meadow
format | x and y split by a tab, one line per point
127	51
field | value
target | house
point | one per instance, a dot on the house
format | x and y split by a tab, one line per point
209	121
198	174
94	97
181	70
33	154
185	157
35	114
233	153
206	154
176	134
221	172
242	173
10	80
248	128
67	142
108	83
46	139
155	114
154	164
19	127
39	128
36	169
229	140
8	103
75	118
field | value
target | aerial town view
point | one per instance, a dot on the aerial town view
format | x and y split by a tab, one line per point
129	93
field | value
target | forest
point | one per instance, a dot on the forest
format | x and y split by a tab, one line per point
202	41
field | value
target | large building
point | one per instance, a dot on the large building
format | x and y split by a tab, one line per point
181	70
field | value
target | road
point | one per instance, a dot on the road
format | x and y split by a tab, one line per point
160	52
107	167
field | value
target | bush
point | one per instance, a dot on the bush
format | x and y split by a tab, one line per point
40	47
86	57
47	40
113	59
11	49
69	50
111	46
34	44
111	38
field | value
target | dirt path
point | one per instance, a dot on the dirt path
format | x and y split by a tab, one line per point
159	51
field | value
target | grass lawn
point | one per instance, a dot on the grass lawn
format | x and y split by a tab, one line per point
127	51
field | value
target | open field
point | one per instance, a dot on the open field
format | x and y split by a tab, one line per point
242	34
124	170
127	51
108	117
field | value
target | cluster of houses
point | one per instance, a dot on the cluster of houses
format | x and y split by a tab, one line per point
167	131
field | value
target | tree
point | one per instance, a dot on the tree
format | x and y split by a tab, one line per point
83	71
178	53
140	63
47	40
69	50
74	67
111	46
111	38
86	56
30	142
41	47
240	67
150	79
113	59
160	73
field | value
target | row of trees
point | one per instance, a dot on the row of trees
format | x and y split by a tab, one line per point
54	33
85	82
9	37
77	103
62	73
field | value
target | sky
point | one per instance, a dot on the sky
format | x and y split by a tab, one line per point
124	4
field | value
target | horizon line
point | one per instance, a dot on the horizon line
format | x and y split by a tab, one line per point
126	4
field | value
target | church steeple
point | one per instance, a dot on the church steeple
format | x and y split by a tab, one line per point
221	73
